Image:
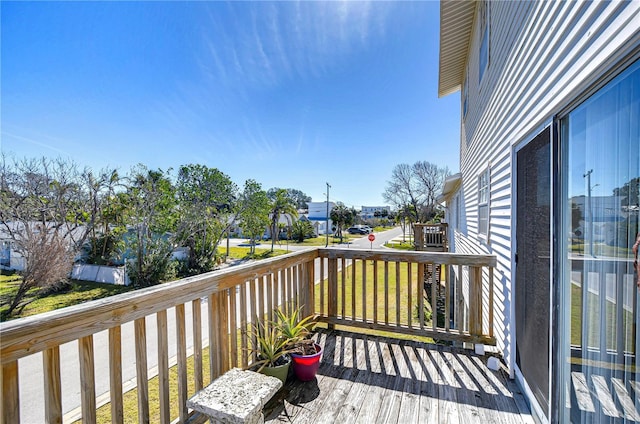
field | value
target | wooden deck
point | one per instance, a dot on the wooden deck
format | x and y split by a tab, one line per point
372	379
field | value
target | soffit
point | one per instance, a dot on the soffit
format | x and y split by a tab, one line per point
450	187
456	23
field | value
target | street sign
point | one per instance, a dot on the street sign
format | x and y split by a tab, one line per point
372	237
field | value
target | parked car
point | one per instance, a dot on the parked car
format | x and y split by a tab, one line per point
359	229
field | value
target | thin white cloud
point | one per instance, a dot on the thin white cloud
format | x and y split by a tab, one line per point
267	43
34	142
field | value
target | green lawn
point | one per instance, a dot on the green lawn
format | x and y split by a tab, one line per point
261	252
78	292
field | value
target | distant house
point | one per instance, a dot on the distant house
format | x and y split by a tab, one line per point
368	212
550	112
319	216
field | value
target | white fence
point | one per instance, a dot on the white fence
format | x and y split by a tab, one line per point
101	274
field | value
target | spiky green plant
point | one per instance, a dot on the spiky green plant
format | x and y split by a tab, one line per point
297	331
271	345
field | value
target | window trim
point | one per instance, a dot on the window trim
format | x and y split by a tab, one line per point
483	18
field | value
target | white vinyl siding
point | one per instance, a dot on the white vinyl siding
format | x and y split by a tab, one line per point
543	55
483	203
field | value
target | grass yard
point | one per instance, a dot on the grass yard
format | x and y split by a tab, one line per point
400	245
130	399
592	314
260	253
365	300
78	292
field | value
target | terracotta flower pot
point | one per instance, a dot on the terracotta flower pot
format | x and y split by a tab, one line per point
306	366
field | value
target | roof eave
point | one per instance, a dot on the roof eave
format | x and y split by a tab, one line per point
456	23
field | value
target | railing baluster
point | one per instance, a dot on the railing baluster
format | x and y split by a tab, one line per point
490	301
397	294
459	301
244	345
196	310
375	292
447	294
364	290
333	289
181	340
214	335
163	365
115	374
294	284
409	294
311	287
475	300
87	379
386	292
141	370
282	286
353	289
223	299
10	393
253	301
322	310
421	294
271	296
343	277
52	392
434	300
233	325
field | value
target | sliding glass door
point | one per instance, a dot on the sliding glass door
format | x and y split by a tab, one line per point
599	191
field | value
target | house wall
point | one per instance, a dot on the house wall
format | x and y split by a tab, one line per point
543	57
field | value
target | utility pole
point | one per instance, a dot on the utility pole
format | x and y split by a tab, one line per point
589	210
326	244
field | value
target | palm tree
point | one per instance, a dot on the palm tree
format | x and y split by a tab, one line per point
342	217
281	204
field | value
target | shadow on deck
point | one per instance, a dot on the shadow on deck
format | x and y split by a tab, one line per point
373	379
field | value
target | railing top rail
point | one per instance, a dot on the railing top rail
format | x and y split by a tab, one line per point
25	336
445	258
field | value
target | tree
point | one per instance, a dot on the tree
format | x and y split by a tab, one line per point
342	217
254	212
281	204
108	207
299	198
302	230
417	185
630	192
151	217
207	208
430	179
47	209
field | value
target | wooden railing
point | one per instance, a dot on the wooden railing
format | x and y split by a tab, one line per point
235	297
431	237
417	293
392	290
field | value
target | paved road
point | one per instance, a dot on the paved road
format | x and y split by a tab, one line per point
30	368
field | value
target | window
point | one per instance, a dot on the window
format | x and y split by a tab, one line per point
484	38
483	202
599	201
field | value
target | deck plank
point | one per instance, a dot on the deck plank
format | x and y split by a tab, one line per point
581	390
625	400
370	379
604	396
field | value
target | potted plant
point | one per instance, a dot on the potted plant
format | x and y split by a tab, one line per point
272	352
305	353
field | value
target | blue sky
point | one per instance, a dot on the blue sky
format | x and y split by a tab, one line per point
291	94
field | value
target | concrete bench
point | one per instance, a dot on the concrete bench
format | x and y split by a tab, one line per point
236	397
